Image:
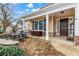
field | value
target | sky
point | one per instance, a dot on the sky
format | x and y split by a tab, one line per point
26	8
23	9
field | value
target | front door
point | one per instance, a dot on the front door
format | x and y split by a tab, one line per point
64	27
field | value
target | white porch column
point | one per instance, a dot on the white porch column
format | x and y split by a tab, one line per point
76	38
47	31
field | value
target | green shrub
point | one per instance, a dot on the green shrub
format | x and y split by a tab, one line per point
2	36
11	51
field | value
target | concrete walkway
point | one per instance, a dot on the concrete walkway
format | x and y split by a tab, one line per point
65	47
8	42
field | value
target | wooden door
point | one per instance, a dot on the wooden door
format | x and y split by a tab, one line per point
64	27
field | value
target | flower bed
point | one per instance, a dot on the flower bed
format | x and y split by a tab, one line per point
12	50
39	47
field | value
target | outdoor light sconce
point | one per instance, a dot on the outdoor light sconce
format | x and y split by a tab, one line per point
62	12
71	21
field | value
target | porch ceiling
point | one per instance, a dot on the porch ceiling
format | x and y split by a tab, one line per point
64	13
57	14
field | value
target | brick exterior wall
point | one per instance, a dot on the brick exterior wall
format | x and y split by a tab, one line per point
76	40
51	34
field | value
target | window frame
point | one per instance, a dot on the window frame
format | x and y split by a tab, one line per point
38	25
35	25
42	25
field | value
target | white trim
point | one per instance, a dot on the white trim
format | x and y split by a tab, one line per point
47	27
68	26
77	20
38	25
57	28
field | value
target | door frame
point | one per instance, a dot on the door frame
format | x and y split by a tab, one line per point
57	27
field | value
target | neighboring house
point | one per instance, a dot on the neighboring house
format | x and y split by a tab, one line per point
58	19
1	26
21	25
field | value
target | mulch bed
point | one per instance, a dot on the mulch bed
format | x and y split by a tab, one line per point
39	47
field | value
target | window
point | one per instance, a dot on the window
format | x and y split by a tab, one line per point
71	28
38	25
35	25
41	25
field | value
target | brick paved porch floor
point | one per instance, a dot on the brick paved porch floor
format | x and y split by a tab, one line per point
66	47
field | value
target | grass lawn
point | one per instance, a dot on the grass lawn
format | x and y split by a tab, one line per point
39	47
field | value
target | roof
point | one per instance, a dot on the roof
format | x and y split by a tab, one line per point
50	8
29	15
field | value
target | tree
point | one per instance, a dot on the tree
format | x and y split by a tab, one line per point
5	14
